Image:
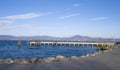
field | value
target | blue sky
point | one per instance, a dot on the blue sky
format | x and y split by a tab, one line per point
60	18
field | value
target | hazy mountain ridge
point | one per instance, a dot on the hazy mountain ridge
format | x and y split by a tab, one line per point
73	38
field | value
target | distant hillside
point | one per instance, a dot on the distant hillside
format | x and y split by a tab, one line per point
73	38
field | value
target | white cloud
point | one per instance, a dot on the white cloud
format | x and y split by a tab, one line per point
12	18
23	16
99	18
6	21
76	5
69	16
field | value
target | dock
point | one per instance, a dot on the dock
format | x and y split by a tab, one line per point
69	43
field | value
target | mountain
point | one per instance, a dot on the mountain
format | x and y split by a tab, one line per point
81	38
73	38
6	37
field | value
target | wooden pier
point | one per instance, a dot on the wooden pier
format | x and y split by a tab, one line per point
69	43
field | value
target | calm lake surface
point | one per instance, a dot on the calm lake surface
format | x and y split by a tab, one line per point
9	49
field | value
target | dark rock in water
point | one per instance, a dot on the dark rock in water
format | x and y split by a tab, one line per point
8	61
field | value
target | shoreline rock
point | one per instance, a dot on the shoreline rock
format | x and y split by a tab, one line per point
8	61
49	59
74	58
82	56
23	61
1	61
34	60
61	58
92	54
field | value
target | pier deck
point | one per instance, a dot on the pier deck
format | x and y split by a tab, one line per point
38	43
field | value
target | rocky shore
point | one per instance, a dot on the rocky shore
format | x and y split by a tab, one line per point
47	60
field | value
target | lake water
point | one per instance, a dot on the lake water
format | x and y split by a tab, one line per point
9	49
